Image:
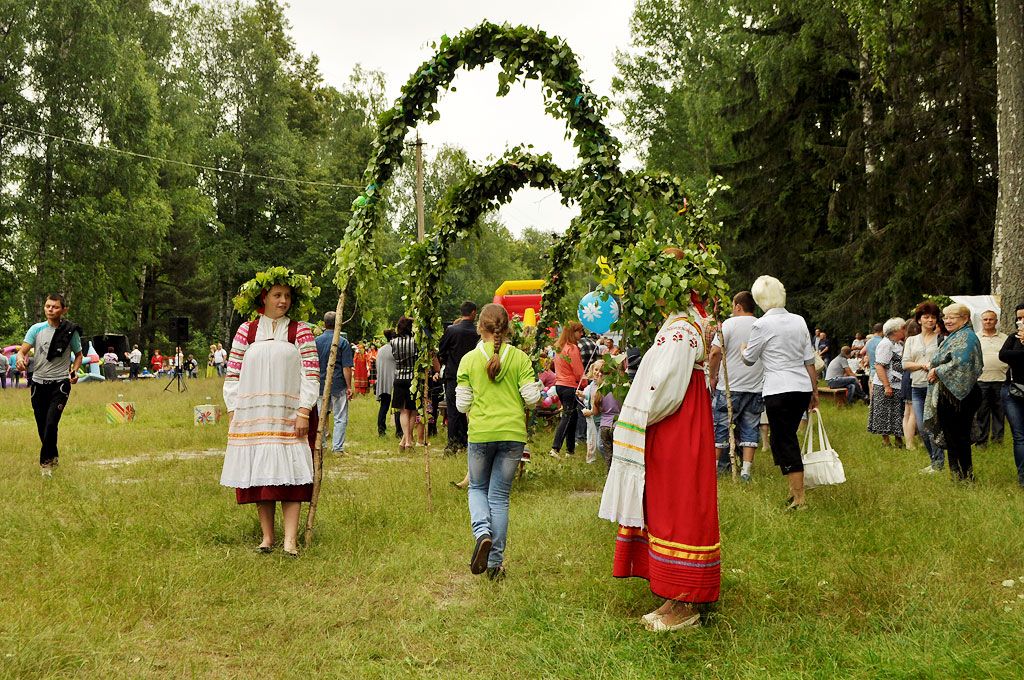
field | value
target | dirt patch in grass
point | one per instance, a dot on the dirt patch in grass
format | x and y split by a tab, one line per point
155	458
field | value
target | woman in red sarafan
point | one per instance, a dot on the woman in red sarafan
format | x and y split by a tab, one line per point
360	371
662	486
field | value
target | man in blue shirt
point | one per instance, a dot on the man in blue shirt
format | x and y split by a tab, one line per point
55	341
871	346
341	385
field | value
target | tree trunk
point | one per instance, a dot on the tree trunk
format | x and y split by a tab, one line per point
870	155
1008	251
137	333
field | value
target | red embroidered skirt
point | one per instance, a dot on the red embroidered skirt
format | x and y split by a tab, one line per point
286	493
679	550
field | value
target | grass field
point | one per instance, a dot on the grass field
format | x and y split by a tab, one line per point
133	562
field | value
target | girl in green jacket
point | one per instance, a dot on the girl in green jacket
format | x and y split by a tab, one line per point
496	382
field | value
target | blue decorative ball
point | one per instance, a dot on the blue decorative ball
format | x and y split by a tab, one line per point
597	312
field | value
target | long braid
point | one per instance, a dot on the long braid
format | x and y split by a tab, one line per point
499	328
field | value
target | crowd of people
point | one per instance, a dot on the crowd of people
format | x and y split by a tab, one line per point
701	393
933	379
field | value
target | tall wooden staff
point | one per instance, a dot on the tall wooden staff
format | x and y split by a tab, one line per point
318	450
728	405
426	436
420	235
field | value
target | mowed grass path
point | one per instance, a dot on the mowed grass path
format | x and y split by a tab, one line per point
133	562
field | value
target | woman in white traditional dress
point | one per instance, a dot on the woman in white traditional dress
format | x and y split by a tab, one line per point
271	389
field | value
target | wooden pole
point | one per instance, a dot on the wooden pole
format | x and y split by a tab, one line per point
420	220
318	450
420	236
728	406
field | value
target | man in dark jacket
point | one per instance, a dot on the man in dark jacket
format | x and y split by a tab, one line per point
458	340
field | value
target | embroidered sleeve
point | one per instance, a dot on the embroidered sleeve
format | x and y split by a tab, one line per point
673	355
238	347
310	389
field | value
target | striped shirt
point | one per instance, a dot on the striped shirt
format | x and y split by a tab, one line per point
404	349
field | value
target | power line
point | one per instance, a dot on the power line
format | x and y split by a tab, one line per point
240	173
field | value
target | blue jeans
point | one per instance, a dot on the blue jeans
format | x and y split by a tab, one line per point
492	467
746	416
1014	409
581	426
851	384
339	409
935	454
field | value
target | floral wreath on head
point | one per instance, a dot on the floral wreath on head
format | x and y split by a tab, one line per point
675	276
249	301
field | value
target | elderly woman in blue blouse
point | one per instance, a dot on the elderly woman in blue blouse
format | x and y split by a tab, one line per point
953	393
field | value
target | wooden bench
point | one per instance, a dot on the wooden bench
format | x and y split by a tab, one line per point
838	394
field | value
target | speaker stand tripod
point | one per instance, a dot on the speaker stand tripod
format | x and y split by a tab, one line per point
179	378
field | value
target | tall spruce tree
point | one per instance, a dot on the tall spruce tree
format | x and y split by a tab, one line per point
860	153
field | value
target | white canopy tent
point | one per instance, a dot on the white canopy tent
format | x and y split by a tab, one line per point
978	304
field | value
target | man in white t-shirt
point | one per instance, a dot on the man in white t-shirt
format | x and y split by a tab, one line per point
220	360
134	362
745	385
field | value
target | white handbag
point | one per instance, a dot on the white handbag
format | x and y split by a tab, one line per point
822	466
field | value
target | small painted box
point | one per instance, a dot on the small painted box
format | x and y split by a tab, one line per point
206	414
120	412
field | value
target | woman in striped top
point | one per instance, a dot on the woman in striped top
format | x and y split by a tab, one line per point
403	347
271	388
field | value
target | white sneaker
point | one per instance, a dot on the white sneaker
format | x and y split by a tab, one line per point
554	454
928	470
47	471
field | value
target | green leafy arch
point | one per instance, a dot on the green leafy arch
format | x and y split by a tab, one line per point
524	53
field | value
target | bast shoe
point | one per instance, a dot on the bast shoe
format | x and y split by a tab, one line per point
648	619
658	625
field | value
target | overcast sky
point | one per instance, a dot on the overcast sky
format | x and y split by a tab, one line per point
394	37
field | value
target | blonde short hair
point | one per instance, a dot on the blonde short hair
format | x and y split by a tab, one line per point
768	292
957	309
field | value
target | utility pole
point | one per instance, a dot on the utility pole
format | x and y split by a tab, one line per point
420	220
420	237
